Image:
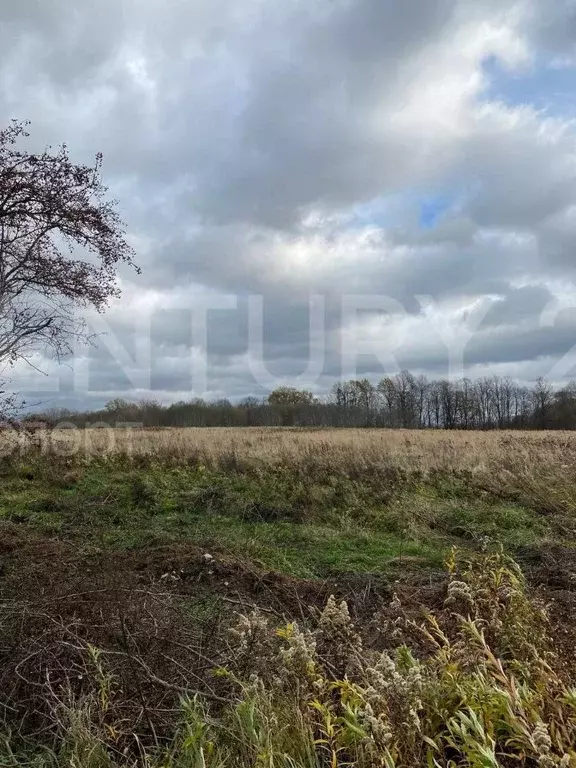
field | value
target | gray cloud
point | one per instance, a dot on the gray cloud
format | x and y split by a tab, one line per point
520	304
554	27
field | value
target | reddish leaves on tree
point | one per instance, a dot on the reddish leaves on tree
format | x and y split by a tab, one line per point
61	241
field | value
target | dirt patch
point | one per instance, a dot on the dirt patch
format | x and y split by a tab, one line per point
552	566
36	569
161	617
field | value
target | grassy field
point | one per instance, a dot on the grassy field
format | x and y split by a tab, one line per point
133	561
414	449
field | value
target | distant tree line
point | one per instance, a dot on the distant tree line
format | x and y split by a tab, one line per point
403	400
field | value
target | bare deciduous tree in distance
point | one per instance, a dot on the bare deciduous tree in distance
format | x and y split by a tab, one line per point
61	241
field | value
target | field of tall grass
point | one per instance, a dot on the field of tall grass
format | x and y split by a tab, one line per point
418	449
536	466
287	598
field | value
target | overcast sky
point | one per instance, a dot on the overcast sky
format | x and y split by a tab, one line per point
399	175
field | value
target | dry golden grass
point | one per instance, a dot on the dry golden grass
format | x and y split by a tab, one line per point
423	450
272	443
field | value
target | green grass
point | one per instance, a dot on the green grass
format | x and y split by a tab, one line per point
280	518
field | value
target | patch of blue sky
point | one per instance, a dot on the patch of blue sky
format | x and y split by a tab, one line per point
434	207
549	87
406	209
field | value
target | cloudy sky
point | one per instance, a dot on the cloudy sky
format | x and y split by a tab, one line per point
314	189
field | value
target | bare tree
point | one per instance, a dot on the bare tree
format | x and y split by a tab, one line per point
542	399
61	241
